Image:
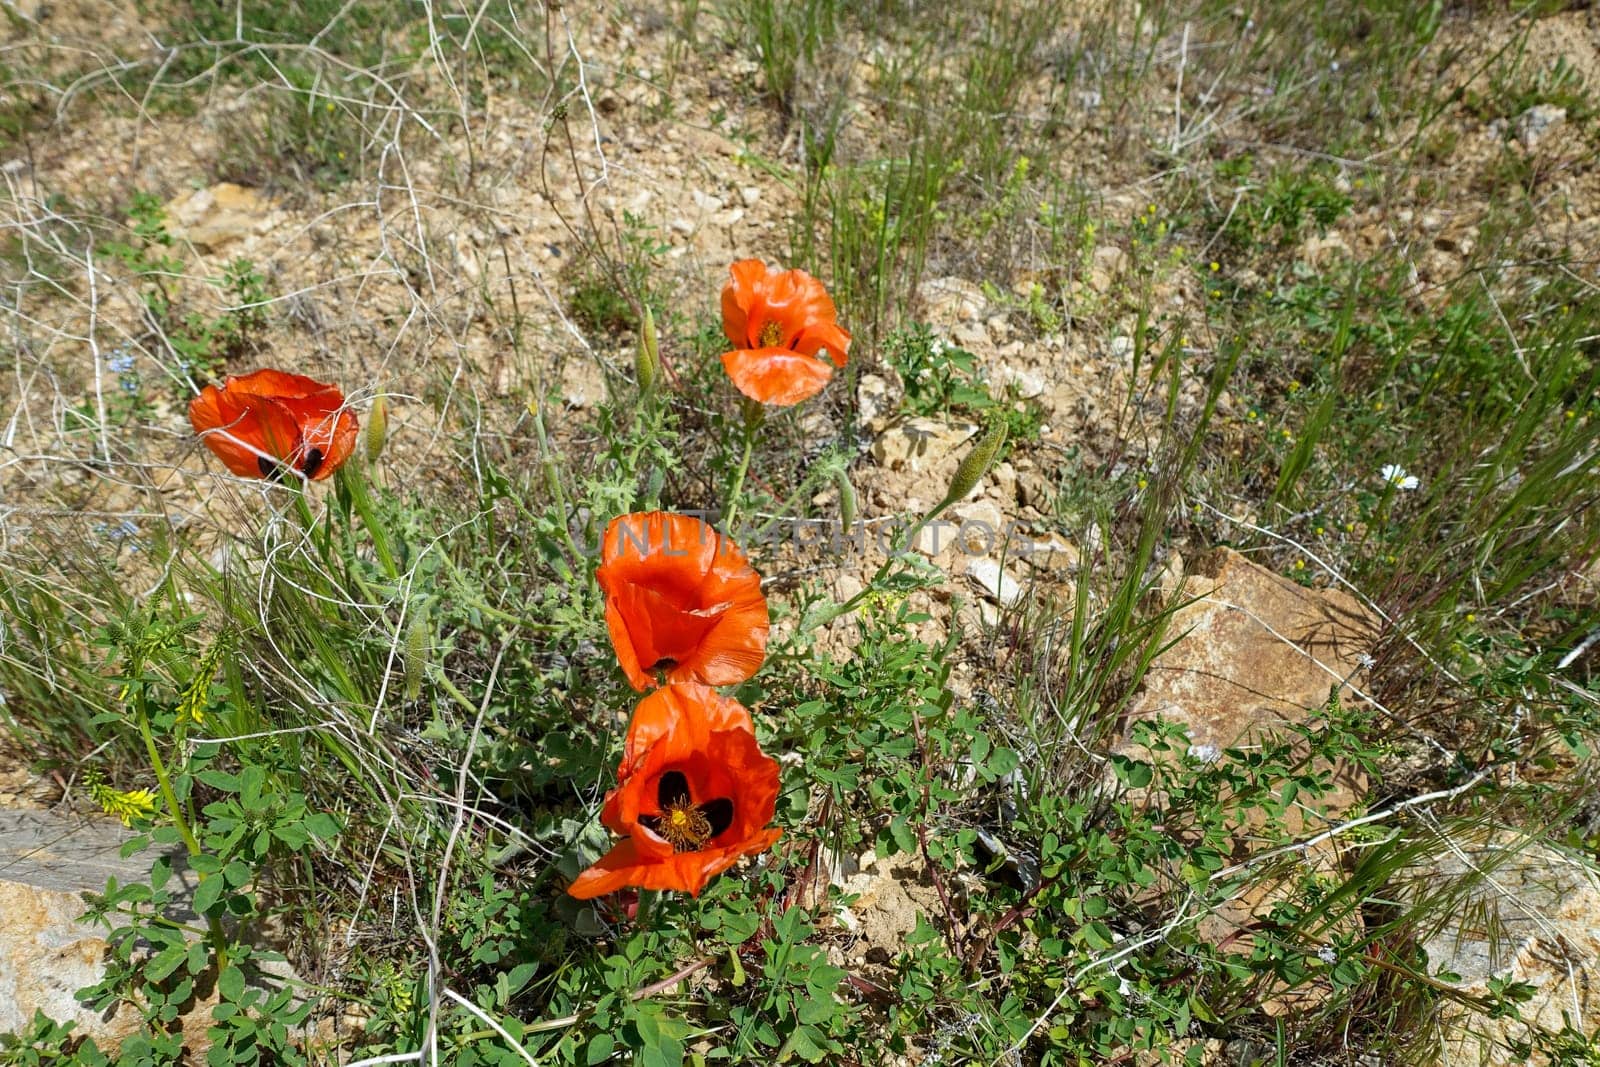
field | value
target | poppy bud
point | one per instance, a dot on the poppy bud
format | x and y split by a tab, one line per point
977	463
416	655
847	499
377	429
647	362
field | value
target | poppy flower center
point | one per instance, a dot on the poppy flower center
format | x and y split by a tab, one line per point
771	334
683	824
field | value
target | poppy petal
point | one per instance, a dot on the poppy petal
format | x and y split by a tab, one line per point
622	640
793	301
747	282
685	742
622	866
682	598
248	435
276	384
679	719
257	423
777	376
826	337
333	436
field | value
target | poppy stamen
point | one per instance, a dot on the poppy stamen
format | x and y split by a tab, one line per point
682	825
771	334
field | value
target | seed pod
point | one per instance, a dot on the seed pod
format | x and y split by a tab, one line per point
377	429
977	463
415	658
647	361
847	499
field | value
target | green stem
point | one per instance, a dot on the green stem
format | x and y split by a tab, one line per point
1380	518
356	482
648	900
464	597
752	421
873	584
303	507
219	940
807	487
552	478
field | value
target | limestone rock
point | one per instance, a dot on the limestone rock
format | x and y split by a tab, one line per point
1028	384
1106	267
1050	555
918	444
218	216
996	584
952	300
980	528
1254	652
1323	251
1533	124
878	395
889	892
1529	913
47	863
46	955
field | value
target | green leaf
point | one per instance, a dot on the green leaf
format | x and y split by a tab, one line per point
807	1043
231	982
199	957
228	783
1135	773
600	1049
322	824
1003	762
163	963
160	871
293	835
206	897
252	780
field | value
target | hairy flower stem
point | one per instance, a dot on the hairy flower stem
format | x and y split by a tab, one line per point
754	416
552	479
807	488
219	940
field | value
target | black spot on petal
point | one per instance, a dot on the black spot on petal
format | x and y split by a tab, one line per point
672	789
719	813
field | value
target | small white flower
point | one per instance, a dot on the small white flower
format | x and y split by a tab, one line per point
1366	662
1205	753
1327	954
1396	476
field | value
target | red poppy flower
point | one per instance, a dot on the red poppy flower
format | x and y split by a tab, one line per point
680	599
695	792
260	423
780	324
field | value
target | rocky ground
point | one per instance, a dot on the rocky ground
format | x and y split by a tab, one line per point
439	275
